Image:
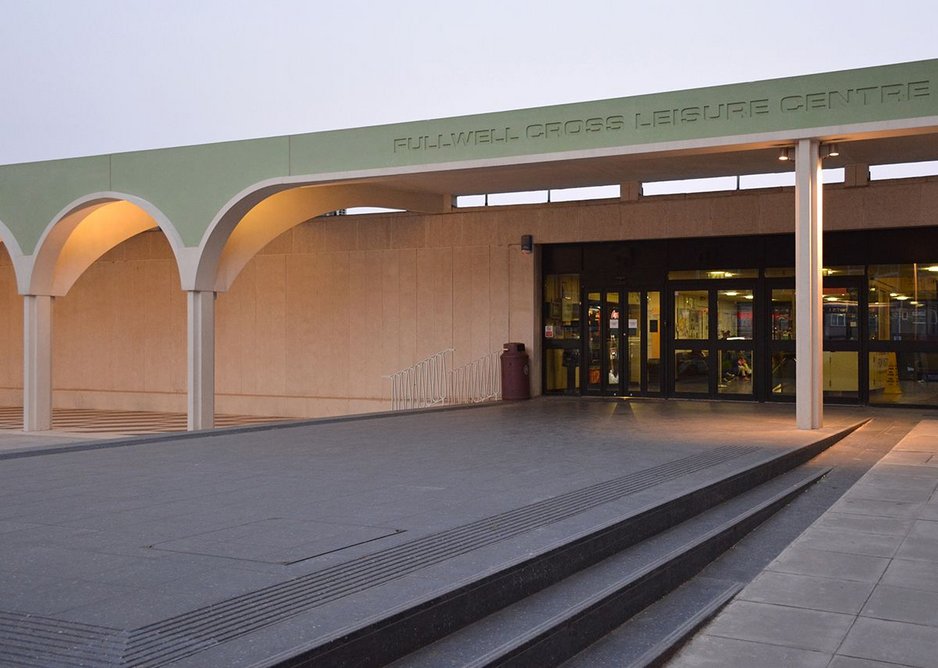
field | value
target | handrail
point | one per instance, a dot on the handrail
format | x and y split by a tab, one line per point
433	382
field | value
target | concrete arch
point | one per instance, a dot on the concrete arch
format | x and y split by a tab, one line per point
260	214
16	255
87	229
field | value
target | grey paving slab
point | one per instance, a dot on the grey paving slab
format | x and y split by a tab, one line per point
902	604
780	625
708	651
863	524
892	642
920	574
850	662
841	539
905	490
803	591
878	508
802	560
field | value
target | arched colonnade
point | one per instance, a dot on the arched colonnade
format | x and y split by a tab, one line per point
90	226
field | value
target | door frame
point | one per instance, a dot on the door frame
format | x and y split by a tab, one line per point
713	344
621	389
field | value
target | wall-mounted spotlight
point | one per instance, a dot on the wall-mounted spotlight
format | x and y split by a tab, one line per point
830	151
786	153
527	244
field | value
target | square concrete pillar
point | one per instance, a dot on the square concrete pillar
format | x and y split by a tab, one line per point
201	360
809	345
37	362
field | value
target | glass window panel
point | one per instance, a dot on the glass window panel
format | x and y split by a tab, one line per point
563	372
691	371
734	314
783	373
634	342
613	359
782	314
653	341
735	372
594	315
841	373
686	274
788	272
903	302
841	315
562	306
904	378
691	314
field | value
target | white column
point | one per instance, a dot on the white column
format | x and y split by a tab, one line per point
37	362
809	400
201	360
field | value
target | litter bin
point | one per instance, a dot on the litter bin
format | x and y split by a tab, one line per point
516	372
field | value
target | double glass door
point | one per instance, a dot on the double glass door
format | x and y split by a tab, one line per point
621	342
713	344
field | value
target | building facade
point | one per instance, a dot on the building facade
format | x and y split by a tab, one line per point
208	277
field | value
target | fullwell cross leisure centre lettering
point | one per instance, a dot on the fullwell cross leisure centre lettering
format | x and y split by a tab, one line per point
684	116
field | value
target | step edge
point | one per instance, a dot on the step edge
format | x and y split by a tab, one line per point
540	632
665	648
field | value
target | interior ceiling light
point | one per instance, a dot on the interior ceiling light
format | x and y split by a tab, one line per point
750	297
731	293
893	294
786	153
901	298
831	299
933	267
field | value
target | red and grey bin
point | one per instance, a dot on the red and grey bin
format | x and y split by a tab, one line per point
516	372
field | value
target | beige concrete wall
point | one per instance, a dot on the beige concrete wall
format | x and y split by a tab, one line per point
119	335
323	312
11	335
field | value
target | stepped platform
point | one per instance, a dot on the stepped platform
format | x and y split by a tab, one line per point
509	534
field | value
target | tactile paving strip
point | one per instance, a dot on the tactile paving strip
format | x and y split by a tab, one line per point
30	640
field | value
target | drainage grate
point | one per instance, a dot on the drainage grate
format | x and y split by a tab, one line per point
194	631
28	640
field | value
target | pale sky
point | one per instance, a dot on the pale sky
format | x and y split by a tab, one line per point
86	77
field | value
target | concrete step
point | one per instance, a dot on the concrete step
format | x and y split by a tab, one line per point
409	627
550	626
651	636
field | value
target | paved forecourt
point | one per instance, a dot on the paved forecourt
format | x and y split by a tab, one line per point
132	546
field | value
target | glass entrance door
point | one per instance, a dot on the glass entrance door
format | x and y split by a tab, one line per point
603	368
622	342
713	340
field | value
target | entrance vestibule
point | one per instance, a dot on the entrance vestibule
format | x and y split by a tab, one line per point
729	333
